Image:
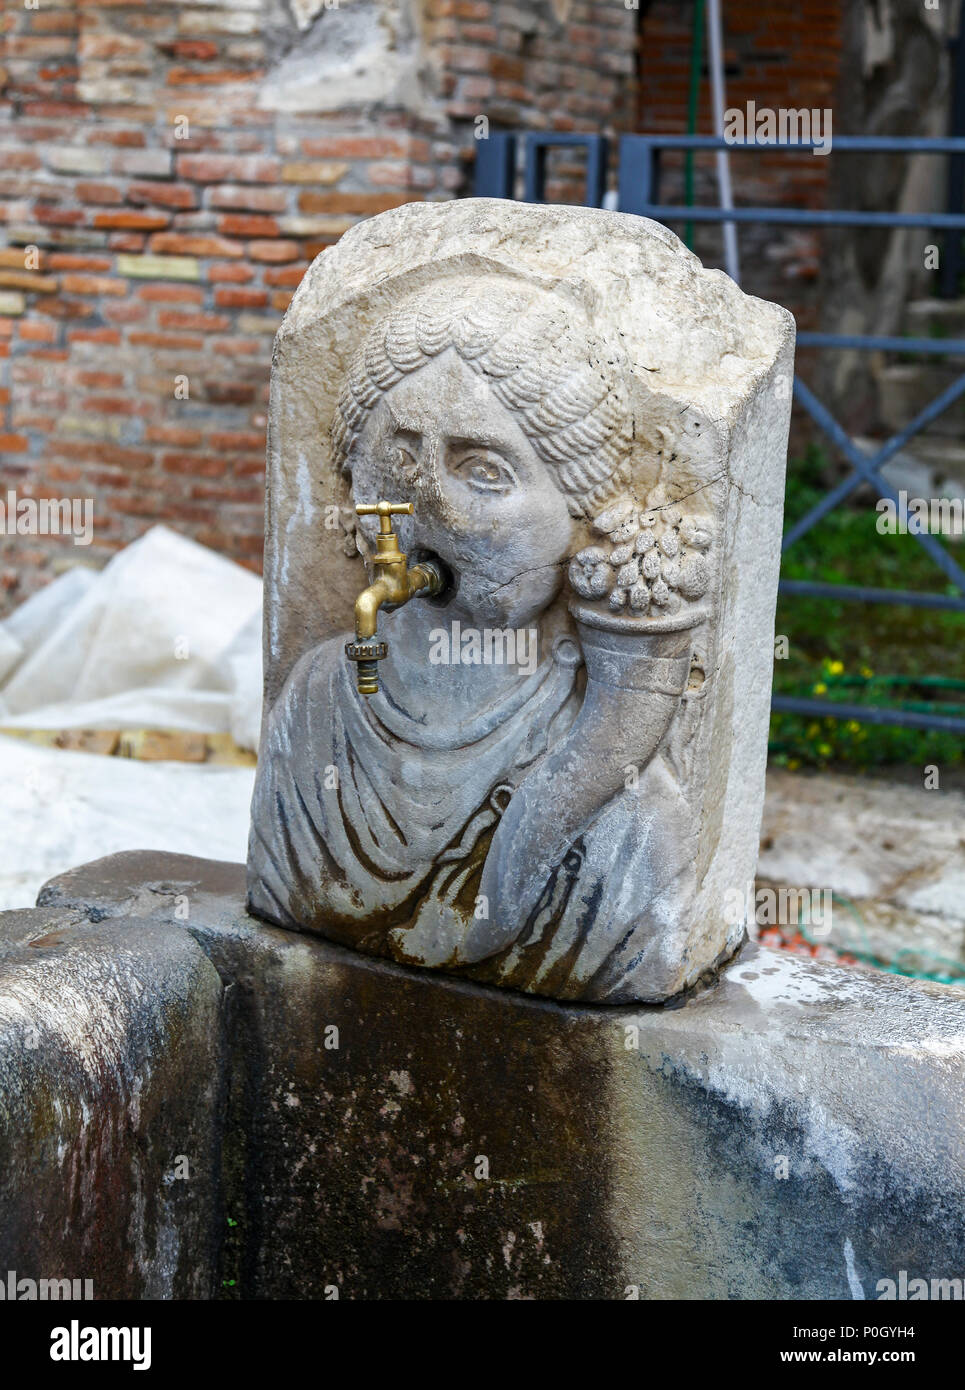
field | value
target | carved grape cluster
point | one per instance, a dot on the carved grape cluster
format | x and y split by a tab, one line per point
655	561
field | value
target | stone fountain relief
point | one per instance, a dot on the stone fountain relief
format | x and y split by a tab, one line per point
546	770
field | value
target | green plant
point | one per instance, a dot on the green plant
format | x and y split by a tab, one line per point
872	654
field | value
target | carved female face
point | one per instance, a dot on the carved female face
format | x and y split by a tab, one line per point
485	503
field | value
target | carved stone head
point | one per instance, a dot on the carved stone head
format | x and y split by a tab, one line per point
558	786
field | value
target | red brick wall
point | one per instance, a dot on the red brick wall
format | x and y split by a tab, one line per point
159	258
776	56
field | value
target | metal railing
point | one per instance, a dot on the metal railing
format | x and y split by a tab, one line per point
638	192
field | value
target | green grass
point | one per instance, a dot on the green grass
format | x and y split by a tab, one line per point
863	653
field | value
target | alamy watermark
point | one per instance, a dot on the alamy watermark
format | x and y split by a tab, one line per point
912	1290
786	126
47	516
14	1290
919	516
781	907
488	646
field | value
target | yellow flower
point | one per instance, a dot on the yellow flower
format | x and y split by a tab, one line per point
835	668
793	764
824	749
853	727
820	688
867	671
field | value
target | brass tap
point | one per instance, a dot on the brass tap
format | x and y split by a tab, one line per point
395	585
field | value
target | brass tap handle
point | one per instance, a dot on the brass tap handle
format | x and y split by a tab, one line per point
384	511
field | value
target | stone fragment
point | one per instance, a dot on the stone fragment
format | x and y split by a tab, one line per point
110	1056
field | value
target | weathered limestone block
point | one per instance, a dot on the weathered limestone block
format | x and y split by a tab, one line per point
110	1047
554	782
794	1131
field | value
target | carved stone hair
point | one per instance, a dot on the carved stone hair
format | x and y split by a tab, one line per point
565	386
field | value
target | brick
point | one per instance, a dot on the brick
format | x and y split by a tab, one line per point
127	241
229	392
356	147
182	243
230	273
104	453
59	308
67	260
247	225
313	171
199	323
31	46
24	280
240	298
180	435
98	193
248	197
289	276
59	217
191	77
74	159
115	405
133	221
281	299
396	175
503	66
33	332
151	164
94	426
171	294
72	110
175	342
223	22
119	139
106	337
274	251
14	443
36	235
94	284
110	44
166	195
56	22
233	440
200	465
362	204
15	257
11	303
251	323
98	381
194	50
331	227
13	158
223	168
159	267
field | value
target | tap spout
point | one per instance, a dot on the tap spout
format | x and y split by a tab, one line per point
396	584
367	607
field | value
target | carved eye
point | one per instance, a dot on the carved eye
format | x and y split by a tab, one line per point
405	462
486	471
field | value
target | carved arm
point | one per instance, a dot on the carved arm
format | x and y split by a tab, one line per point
634	684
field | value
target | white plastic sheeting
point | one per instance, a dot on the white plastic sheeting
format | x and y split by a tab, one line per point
60	809
167	636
